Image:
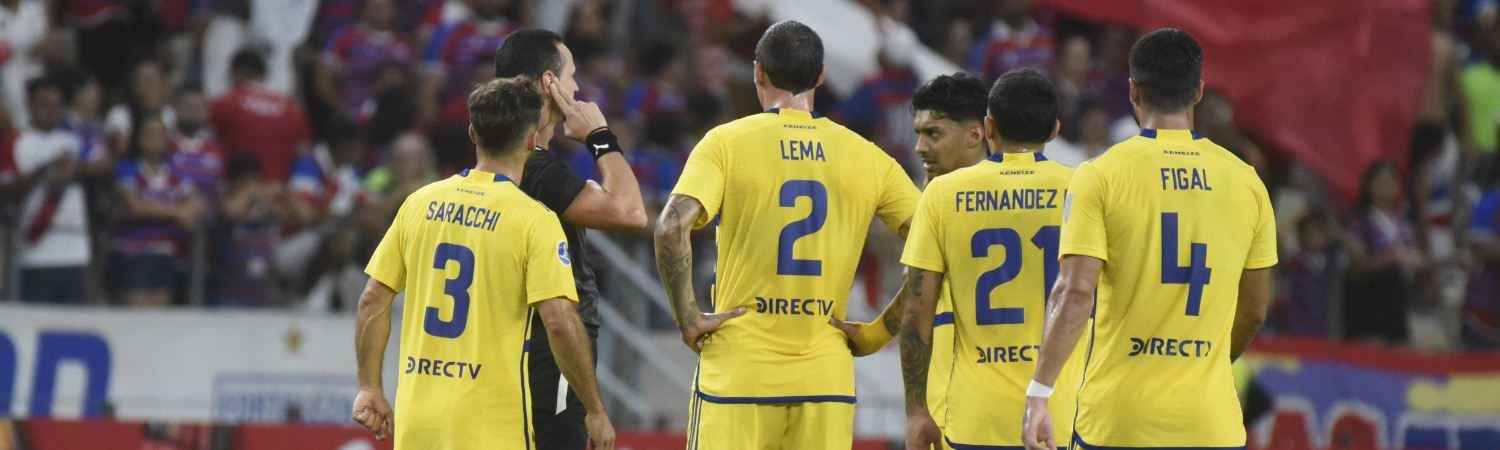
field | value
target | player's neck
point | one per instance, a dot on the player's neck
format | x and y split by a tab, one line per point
1163	121
544	136
509	165
1002	146
779	99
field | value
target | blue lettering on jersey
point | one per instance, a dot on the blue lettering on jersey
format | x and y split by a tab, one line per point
1156	346
981	201
1180	179
469	216
802	151
1007	354
440	368
794	306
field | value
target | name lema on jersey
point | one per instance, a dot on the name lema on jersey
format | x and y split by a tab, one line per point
458	213
1004	200
802	151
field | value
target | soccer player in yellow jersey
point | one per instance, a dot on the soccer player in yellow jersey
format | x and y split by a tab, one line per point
476	258
792	195
949	123
1177	236
990	233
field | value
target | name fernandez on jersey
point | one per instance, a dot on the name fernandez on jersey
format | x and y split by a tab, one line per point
1002	200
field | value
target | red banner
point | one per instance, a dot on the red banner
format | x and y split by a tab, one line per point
1333	83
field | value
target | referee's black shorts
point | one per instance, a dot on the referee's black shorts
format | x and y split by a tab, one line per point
556	428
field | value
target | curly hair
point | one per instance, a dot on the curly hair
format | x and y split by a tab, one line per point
958	97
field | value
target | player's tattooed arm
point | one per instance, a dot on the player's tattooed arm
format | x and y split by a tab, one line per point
920	304
674	262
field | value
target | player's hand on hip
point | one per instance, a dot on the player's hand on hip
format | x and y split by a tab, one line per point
373	412
697	330
1037	429
579	118
601	432
922	432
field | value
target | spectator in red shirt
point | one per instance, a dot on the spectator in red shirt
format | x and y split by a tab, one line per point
254	120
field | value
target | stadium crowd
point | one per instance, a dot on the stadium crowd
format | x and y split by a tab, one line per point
252	153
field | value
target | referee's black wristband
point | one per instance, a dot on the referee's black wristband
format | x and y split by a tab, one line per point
602	142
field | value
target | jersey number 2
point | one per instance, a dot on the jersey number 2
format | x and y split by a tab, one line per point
1046	239
1195	275
458	288
786	264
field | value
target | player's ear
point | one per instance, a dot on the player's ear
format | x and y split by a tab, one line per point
821	73
1197	95
976	133
1056	127
759	75
1135	93
473	135
991	132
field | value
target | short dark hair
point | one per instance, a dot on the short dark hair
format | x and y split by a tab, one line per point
957	97
529	52
1024	105
791	54
248	62
502	111
1167	66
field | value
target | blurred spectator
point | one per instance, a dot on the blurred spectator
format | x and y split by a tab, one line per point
660	68
1480	83
957	41
395	108
54	230
84	114
161	208
254	120
658	162
252	211
1213	116
410	167
1073	67
112	34
1311	278
880	109
1481	314
1015	40
147	96
1386	261
22	24
459	57
325	186
1436	153
354	56
1093	137
197	155
1111	80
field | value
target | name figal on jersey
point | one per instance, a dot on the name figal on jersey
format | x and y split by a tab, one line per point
441	368
469	216
1181	179
802	151
794	306
1185	348
1007	354
981	201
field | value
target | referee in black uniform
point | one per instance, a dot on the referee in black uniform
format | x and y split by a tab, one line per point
580	204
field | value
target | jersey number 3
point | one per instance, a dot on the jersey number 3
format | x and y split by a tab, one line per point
786	264
1195	275
1008	238
458	288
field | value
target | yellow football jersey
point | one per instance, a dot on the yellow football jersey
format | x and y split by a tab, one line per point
940	368
793	195
1176	219
472	253
993	229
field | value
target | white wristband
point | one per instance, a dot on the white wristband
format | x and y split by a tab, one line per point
1038	390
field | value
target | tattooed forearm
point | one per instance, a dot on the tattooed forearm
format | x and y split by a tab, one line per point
674	255
891	317
920	299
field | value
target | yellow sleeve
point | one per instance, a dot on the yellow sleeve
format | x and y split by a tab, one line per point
549	262
1083	230
1263	245
388	264
924	249
703	177
898	199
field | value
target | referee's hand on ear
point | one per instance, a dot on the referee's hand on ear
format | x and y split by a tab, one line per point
579	118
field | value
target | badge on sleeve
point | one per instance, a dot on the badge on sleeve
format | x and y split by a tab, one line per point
562	253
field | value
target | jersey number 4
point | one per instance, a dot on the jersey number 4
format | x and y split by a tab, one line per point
458	288
1195	275
786	264
1045	238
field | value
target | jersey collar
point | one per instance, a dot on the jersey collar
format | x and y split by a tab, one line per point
1151	133
1001	157
795	113
481	175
